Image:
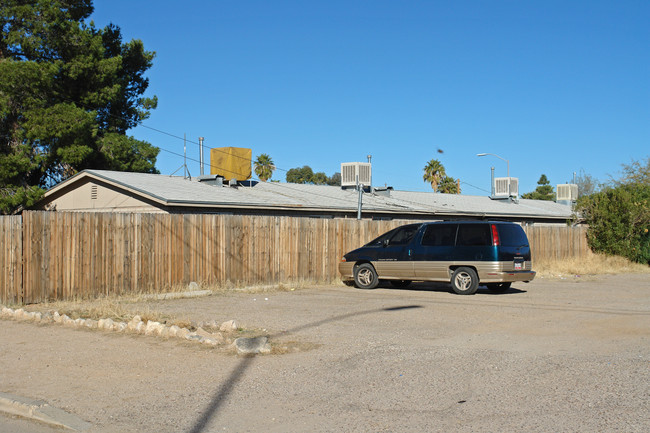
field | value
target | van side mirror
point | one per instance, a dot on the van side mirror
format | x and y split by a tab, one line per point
385	242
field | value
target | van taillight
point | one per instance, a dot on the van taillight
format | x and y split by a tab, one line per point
495	236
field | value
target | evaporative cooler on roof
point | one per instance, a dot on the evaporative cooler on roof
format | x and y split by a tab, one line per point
350	171
505	187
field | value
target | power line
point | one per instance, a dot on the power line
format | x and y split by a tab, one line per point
273	184
169	134
286	186
474	186
276	185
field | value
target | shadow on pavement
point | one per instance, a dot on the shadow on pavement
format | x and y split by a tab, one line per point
220	397
446	287
510	291
226	388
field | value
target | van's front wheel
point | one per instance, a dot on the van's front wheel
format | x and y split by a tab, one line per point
464	281
365	276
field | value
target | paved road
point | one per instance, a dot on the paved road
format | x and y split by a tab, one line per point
550	356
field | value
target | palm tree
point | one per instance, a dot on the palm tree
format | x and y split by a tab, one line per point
449	185
264	167
434	172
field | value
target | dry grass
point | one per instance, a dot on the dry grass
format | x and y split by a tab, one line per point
234	287
593	264
283	348
289	286
124	308
116	308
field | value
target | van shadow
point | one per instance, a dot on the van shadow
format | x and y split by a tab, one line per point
446	287
482	290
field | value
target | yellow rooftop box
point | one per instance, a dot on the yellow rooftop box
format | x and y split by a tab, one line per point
231	162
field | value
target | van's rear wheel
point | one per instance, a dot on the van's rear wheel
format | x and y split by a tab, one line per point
498	287
365	276
464	281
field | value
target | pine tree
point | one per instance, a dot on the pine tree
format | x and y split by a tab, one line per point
68	94
544	191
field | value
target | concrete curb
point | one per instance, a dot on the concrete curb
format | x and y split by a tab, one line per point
40	411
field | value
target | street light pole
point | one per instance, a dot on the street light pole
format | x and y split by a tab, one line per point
507	162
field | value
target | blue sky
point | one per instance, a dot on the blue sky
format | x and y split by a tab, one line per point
555	87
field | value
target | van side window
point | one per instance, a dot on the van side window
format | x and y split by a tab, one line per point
404	235
439	235
512	235
474	235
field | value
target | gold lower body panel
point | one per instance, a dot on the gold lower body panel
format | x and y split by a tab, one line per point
488	272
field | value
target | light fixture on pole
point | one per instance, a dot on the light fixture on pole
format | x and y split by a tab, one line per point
508	183
507	162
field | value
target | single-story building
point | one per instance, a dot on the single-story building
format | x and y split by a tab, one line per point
112	191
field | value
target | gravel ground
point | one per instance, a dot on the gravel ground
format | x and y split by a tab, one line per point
550	356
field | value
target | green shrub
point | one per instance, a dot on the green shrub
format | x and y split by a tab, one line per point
619	221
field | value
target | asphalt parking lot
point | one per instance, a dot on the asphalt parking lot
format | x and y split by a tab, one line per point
553	355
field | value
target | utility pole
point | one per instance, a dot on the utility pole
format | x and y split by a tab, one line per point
360	189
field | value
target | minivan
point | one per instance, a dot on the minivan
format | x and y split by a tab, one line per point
464	253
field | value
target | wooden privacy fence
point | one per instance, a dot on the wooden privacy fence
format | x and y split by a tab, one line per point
11	258
557	242
52	255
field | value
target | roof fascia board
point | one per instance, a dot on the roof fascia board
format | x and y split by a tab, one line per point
504	215
378	211
286	207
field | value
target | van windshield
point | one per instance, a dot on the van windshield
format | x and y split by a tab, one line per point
398	236
380	239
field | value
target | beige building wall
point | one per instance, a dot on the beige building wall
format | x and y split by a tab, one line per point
93	197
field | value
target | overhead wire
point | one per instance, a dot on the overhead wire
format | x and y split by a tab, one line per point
184	139
286	186
273	184
474	186
160	131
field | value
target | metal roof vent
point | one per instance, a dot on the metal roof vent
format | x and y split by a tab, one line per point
506	187
351	171
382	191
211	179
